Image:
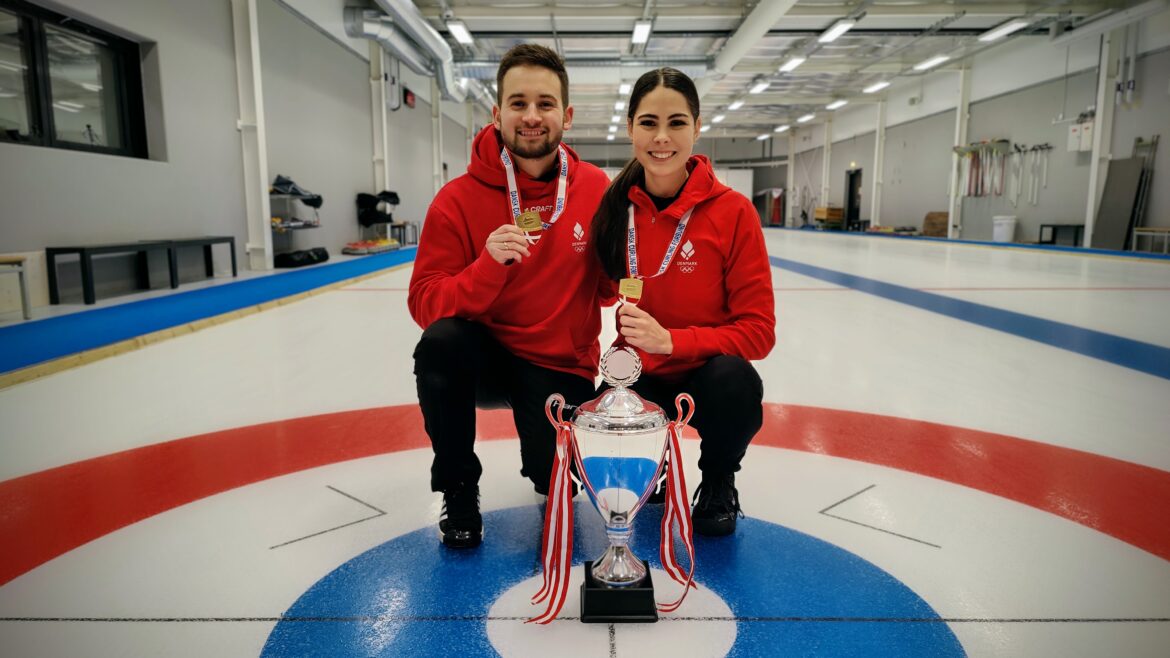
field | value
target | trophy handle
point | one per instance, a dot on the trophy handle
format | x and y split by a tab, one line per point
678	405
559	401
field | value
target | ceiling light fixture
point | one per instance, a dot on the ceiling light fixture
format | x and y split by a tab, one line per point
781	129
609	138
619	106
759	86
624	88
718	117
641	31
806	118
876	87
791	64
840	27
613	129
763	137
931	63
705	127
458	29
1003	30
736	104
837	104
617	118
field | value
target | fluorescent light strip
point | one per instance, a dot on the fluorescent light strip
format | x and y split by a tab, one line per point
641	32
619	106
1003	30
624	88
613	129
458	29
617	118
66	108
763	137
70	104
806	118
931	63
735	105
718	117
837	104
705	128
840	27
781	129
609	138
759	87
791	64
876	87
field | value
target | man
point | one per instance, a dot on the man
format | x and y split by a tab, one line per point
506	287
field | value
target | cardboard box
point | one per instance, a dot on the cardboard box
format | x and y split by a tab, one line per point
829	214
935	224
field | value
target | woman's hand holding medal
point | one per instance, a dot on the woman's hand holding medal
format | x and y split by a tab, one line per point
507	244
642	331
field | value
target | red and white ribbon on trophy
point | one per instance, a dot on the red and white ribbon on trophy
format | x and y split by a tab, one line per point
556	551
677	512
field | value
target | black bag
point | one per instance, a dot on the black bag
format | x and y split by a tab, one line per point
301	258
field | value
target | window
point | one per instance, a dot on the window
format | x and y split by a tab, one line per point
65	84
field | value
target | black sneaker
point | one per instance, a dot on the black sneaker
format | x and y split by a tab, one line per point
460	525
716	506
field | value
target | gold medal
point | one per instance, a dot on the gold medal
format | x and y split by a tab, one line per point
631	289
529	222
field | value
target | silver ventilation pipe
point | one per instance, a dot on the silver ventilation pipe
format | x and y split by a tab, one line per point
363	24
408	19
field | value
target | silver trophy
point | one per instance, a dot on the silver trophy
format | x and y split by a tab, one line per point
619	443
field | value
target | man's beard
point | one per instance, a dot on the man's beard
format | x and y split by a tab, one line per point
532	151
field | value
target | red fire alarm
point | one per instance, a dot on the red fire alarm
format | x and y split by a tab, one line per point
408	97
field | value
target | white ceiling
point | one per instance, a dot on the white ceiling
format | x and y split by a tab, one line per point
888	40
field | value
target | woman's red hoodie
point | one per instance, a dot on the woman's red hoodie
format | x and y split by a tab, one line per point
716	296
544	309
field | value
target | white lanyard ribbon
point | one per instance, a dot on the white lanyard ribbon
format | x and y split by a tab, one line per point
514	192
671	249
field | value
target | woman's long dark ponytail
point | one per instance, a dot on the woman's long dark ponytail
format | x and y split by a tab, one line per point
609	222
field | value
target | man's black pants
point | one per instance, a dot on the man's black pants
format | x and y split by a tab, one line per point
459	366
729	410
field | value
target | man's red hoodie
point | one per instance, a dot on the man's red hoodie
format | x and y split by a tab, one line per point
716	297
545	308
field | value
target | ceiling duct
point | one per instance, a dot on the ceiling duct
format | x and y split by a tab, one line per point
363	24
749	33
408	19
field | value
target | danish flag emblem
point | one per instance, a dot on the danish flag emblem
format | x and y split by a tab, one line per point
688	250
578	232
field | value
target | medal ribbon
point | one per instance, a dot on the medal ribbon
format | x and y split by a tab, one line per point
671	249
514	191
557	543
677	512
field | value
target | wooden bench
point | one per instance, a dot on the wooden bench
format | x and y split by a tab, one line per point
15	265
141	248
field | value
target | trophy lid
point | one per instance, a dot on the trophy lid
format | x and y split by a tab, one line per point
620	410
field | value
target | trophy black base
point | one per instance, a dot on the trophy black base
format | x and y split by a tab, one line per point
633	604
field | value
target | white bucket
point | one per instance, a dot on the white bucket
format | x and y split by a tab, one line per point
1003	228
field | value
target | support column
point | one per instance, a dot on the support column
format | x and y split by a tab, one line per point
378	114
436	136
252	139
828	153
1102	128
470	128
790	193
879	156
962	114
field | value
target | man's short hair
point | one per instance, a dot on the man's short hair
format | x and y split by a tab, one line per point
531	54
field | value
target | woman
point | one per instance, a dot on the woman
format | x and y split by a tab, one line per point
695	283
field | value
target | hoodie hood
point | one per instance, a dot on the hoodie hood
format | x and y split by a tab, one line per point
701	185
486	166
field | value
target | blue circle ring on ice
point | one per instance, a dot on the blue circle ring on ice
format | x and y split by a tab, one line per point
792	594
